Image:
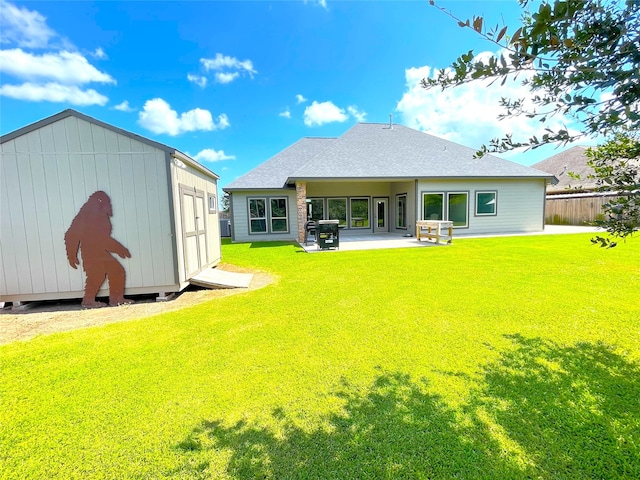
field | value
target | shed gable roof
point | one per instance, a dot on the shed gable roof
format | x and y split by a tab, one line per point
74	113
378	151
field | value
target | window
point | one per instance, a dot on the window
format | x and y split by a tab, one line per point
268	212
315	209
457	204
279	215
486	203
359	209
433	206
337	209
257	215
212	203
401	210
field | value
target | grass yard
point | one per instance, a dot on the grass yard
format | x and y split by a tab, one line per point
492	358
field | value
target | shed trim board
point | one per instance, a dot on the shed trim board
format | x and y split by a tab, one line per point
48	171
382	160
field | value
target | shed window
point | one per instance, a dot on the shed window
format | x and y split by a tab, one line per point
212	203
486	203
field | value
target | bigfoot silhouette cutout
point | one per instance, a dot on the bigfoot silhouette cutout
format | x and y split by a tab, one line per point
90	232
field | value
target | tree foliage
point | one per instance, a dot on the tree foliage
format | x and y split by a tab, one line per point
579	59
617	166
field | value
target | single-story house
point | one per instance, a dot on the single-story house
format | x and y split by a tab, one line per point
574	199
74	188
380	177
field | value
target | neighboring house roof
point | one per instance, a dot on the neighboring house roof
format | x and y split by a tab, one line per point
378	151
74	113
573	160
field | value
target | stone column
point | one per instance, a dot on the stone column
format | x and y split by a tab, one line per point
301	204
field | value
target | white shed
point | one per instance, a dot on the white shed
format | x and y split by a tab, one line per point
163	209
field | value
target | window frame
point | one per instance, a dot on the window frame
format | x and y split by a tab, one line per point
272	218
252	219
402	216
350	220
268	218
446	209
346	207
213	203
466	208
495	203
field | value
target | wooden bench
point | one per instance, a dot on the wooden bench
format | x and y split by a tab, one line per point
438	230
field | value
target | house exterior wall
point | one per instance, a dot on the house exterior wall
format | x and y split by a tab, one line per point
190	178
47	175
239	202
520	203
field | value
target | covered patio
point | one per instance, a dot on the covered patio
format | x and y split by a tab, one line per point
372	241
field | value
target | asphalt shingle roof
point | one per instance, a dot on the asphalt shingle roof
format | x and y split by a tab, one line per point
378	151
573	160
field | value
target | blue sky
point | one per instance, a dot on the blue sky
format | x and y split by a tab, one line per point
233	83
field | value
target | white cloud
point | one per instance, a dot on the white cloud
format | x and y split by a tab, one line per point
322	3
300	99
65	67
224	62
210	155
24	27
99	53
357	114
286	113
467	114
53	92
124	107
197	79
227	68
54	76
158	117
226	77
321	113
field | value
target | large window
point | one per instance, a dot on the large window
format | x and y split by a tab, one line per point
315	209
401	210
279	215
433	206
268	212
458	208
486	203
338	210
257	215
456	203
359	209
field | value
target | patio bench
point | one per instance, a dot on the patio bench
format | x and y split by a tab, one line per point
438	230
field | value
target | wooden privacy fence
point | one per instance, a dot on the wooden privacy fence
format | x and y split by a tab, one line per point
575	209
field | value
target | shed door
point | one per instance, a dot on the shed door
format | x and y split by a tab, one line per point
194	238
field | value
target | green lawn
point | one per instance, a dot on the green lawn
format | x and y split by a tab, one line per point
490	358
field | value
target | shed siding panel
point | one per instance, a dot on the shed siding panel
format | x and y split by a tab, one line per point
43	187
9	233
191	177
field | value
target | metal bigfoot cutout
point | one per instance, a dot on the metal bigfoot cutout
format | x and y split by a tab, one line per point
90	231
